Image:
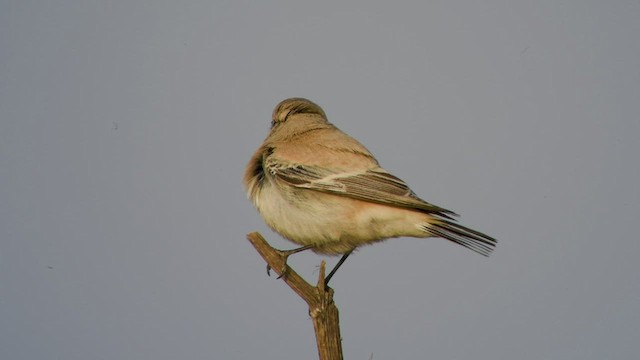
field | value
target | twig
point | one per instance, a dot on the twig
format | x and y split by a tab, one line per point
319	298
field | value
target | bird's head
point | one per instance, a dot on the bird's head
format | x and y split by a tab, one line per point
294	106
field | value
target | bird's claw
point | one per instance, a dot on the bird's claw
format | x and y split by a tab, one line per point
283	271
284	254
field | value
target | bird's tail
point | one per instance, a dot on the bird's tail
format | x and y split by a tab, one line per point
469	238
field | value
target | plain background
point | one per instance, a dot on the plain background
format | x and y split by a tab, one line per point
125	127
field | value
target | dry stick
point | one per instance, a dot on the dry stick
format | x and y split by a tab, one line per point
322	309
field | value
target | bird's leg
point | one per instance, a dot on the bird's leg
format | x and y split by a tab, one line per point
335	268
285	254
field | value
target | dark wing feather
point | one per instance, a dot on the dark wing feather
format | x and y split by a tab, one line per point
374	185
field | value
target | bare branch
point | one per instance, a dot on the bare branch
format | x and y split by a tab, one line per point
319	298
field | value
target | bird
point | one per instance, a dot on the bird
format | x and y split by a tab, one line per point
320	188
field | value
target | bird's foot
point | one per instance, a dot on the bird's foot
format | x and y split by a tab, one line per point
284	255
282	271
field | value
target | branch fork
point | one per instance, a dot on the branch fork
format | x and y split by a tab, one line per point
319	298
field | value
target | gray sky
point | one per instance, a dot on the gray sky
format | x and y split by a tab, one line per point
125	127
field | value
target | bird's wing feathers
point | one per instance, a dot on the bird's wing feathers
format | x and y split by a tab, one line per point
374	185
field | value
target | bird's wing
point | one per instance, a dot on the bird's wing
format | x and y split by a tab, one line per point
374	185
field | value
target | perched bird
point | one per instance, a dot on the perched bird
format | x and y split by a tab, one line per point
320	188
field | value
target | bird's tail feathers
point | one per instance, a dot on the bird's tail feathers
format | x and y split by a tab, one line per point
469	238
